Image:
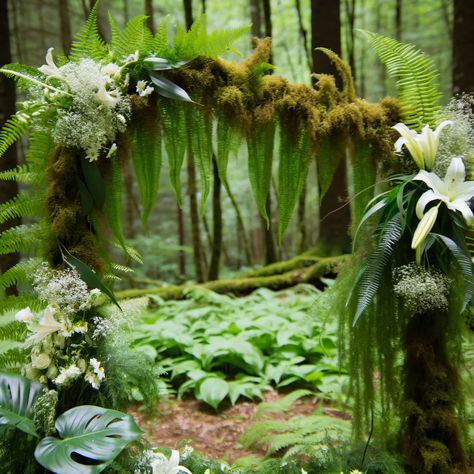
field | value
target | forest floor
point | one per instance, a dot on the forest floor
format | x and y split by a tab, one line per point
214	435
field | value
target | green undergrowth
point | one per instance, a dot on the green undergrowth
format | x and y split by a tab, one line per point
221	347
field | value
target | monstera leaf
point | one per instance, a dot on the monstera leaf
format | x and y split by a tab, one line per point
92	437
17	395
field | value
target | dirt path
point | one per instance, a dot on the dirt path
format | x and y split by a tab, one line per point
213	435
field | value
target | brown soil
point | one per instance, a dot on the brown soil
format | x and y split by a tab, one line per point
215	435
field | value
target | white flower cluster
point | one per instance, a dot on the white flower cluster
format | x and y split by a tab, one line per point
91	101
154	462
57	335
421	289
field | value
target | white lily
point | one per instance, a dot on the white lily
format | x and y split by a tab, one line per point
25	315
47	325
422	146
50	69
162	465
107	99
453	191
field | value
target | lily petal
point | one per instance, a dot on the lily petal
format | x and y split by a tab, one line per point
174	458
465	191
425	198
456	173
424	227
440	127
463	207
432	180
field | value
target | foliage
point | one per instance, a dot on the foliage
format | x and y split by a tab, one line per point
417	79
219	346
94	432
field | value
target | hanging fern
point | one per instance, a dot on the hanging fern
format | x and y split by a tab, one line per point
175	137
200	135
87	43
22	205
19	273
417	79
292	171
146	155
328	158
376	264
228	140
260	158
22	238
12	130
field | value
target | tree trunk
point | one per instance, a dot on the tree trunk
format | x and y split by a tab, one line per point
65	25
267	20
303	34
149	13
255	18
188	13
181	240
463	45
431	433
398	20
8	189
350	13
216	225
126	12
326	31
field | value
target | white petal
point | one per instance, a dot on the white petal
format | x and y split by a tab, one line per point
440	127
425	198
464	209
399	143
465	191
424	227
429	143
174	458
403	130
432	180
456	173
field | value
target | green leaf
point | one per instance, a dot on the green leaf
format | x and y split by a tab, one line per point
212	390
95	436
86	273
260	158
17	396
94	182
169	89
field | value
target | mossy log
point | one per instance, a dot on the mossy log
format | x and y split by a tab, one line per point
244	285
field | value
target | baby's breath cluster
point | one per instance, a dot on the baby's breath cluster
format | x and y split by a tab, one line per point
60	336
458	139
421	289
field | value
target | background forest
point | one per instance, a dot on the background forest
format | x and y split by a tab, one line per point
179	244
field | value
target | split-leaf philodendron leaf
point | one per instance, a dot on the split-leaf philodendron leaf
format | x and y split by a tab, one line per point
91	438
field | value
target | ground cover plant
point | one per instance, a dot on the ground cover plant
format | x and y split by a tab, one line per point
219	346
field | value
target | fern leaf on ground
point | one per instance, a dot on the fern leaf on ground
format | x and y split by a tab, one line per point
417	79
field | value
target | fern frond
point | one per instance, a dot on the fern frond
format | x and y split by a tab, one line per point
13	358
121	268
227	137
22	205
87	43
40	145
417	79
175	138
147	157
295	157
134	37
260	158
282	405
161	45
14	331
22	238
376	264
22	174
19	302
27	74
12	130
19	273
200	137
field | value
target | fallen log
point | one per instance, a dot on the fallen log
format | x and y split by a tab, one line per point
306	273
